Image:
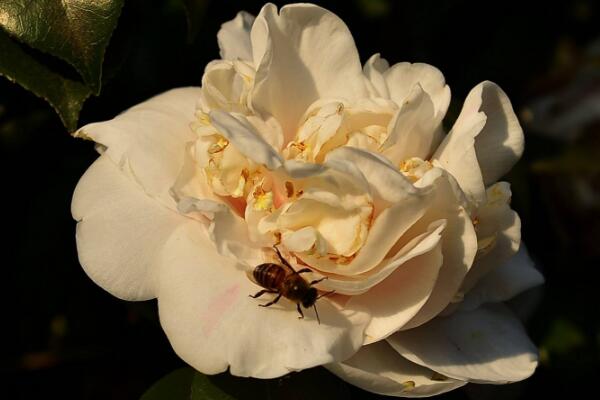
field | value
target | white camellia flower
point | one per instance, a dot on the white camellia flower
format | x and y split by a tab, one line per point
347	170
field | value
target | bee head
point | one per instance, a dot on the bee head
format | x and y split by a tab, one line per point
309	299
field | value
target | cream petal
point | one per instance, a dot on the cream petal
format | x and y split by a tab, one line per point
306	52
378	368
213	324
397	299
234	38
485	142
386	182
459	246
120	231
413	131
226	230
515	276
498	234
359	284
486	345
402	77
150	138
374	69
457	155
246	139
500	143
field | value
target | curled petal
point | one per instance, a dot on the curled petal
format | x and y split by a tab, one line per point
378	368
246	139
150	138
459	247
515	276
234	38
485	141
306	52
120	231
397	299
202	297
498	234
414	130
374	70
402	77
486	345
359	284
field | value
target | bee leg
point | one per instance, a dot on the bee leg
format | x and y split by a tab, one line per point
299	311
271	302
304	270
283	260
317	281
261	293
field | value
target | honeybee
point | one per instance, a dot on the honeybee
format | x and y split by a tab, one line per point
283	280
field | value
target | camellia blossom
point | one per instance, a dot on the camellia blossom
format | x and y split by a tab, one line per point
346	168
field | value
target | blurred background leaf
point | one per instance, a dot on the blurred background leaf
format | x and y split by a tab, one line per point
66	96
77	31
74	31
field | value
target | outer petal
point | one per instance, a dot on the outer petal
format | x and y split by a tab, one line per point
402	77
234	38
413	131
487	345
378	368
500	144
306	52
459	246
400	296
374	69
485	142
212	324
517	275
498	234
150	138
120	231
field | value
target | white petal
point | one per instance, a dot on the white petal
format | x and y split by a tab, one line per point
487	345
459	246
413	131
234	38
500	144
385	180
517	275
378	368
213	324
498	234
226	230
120	231
402	77
484	143
359	284
245	139
150	138
400	296
303	54
373	70
456	154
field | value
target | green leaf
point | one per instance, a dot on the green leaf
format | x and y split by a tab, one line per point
77	31
64	95
175	385
185	383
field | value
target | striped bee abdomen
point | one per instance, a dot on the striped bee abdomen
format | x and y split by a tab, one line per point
269	275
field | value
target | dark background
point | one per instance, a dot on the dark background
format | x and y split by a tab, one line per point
65	337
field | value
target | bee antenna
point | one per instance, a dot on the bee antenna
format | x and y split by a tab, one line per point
325	294
317	313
